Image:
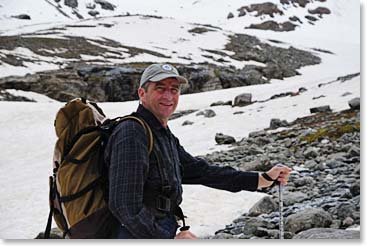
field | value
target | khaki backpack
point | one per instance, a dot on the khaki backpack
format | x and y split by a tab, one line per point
78	195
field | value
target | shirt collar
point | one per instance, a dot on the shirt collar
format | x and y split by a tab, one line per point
149	117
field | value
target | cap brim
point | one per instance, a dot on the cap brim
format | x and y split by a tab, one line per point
160	77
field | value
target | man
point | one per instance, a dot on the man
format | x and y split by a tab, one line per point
146	190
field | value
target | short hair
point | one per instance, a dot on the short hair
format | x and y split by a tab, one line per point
145	86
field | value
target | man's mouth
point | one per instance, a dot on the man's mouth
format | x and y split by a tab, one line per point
166	104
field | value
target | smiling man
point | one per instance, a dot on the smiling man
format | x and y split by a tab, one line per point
145	188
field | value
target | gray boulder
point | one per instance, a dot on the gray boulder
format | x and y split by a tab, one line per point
307	219
93	13
291	198
327	233
105	5
71	3
321	109
243	99
354	103
345	210
265	205
208	113
220	138
276	123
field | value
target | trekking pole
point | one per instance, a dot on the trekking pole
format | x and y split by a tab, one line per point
281	222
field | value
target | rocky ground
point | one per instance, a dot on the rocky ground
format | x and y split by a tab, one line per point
322	198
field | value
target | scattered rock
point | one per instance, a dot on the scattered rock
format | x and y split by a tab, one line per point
187	122
71	3
354	103
320	11
93	13
208	113
262	9
220	138
105	5
221	103
276	123
230	15
327	233
243	99
22	17
311	18
274	26
264	205
321	109
308	202
307	219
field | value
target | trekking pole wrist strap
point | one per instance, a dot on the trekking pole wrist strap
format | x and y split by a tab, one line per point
268	178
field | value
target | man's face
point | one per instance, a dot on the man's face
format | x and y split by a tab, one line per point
161	98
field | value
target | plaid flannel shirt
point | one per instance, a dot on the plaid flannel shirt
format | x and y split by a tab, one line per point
132	172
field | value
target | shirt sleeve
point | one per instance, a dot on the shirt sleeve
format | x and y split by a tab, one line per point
198	171
128	170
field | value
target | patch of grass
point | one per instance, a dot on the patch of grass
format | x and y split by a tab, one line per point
332	132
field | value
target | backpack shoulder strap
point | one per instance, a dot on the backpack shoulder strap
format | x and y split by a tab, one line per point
146	127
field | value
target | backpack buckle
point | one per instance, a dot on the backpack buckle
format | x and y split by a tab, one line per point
163	203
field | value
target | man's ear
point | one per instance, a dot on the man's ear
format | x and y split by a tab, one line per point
141	93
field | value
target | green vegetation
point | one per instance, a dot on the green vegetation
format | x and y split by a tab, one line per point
332	132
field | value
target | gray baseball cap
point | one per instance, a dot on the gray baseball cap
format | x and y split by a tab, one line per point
158	72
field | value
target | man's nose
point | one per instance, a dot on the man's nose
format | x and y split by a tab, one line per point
167	94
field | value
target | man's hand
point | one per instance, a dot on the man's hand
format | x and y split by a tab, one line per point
279	172
185	235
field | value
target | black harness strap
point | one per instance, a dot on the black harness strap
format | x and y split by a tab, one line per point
74	196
